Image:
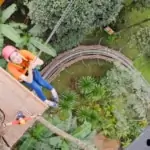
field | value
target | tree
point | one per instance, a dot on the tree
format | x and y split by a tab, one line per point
83	16
142	38
128	84
18	34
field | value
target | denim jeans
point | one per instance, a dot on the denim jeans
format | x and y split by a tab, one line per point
38	83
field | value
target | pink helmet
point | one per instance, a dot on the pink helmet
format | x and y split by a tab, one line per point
7	51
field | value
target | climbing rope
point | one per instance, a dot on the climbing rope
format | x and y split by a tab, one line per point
58	23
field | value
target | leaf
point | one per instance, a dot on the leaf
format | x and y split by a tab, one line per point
32	48
64	146
73	124
55	141
10	33
28	144
8	12
40	132
18	25
43	47
36	30
2	63
86	85
83	130
91	135
1	41
42	146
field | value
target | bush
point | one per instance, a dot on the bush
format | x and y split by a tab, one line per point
83	16
122	82
143	40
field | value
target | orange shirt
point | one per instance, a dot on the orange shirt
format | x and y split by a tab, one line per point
18	69
1	2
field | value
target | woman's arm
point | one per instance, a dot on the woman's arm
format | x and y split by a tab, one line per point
28	78
37	62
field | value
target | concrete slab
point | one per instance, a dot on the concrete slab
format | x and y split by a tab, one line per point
15	97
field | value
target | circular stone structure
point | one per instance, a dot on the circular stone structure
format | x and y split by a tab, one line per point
79	53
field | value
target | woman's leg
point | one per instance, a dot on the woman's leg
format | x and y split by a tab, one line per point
38	78
35	86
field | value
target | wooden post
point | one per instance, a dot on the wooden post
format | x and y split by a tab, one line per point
65	135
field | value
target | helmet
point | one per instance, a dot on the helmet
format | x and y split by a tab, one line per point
7	51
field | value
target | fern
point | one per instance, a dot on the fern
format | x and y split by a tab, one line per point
69	96
99	93
64	105
86	85
83	114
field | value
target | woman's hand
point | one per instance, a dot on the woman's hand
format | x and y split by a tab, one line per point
36	62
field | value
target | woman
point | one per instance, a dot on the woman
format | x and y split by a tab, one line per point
22	64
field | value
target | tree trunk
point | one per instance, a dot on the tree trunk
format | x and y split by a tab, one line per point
65	135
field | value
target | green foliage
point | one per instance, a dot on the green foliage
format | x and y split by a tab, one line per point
145	3
99	93
28	144
17	33
131	86
6	14
82	131
142	39
67	100
40	137
7	30
86	85
87	114
113	105
83	16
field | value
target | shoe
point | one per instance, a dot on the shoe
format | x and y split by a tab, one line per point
55	99
55	95
51	104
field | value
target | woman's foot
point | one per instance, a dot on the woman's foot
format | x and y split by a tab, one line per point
55	95
51	104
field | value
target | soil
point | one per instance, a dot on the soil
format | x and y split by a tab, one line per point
104	143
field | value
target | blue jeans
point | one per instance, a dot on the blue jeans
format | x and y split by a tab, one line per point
38	83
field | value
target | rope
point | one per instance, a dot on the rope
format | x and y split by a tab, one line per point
58	24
